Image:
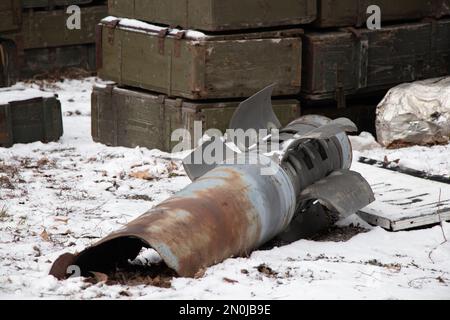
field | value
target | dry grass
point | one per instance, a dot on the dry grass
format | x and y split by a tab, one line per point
4	214
158	275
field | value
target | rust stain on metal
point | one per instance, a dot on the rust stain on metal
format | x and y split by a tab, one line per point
193	232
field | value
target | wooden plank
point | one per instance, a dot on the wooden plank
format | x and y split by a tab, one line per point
217	15
403	201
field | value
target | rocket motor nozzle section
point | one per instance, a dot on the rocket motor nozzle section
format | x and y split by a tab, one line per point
233	207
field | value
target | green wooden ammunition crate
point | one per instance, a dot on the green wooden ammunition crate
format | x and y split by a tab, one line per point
194	65
332	13
217	15
17	65
130	118
10	15
8	63
44	29
43	60
28	118
52	3
352	61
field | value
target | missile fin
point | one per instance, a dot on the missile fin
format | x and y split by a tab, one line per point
255	113
206	157
331	129
344	191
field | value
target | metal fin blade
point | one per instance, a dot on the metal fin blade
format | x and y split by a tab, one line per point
344	191
256	112
206	157
331	129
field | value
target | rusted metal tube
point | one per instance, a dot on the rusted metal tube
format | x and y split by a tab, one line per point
228	212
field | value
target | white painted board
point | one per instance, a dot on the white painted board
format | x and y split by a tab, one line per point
403	201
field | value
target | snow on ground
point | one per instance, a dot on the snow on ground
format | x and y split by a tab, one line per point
63	196
434	160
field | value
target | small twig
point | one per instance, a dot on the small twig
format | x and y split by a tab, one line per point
440	218
86	211
412	282
370	275
441	223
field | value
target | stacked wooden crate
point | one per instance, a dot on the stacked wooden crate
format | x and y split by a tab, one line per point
349	59
34	36
175	62
29	115
347	69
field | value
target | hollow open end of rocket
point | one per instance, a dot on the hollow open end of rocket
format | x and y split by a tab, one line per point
106	257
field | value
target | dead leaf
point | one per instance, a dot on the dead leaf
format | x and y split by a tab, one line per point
125	293
171	167
45	236
99	277
230	280
144	175
6	183
42	162
37	251
200	273
61	219
394	267
267	271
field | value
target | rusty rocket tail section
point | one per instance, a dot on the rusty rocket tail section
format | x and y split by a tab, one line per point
228	212
234	207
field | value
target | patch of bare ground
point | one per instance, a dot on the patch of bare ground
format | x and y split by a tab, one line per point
10	170
50	78
339	234
158	275
400	144
267	271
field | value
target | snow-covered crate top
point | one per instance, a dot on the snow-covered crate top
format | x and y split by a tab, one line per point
15	94
29	115
192	65
217	15
415	113
136	25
